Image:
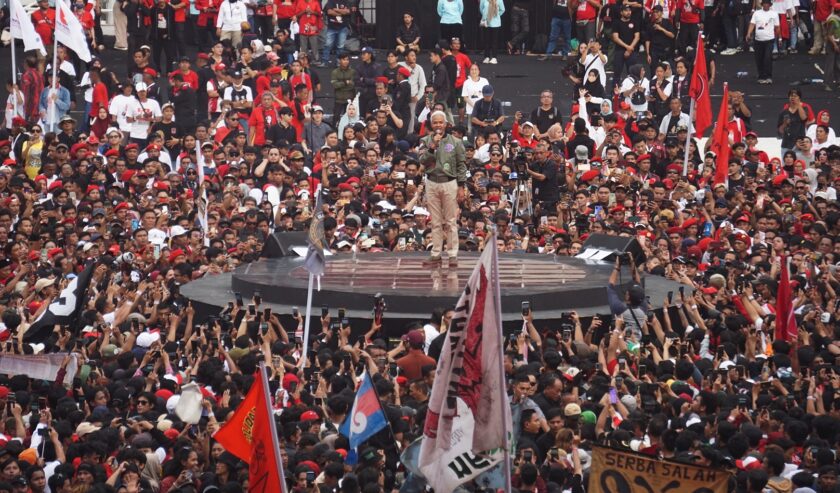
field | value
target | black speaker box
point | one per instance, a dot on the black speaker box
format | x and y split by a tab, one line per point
617	245
281	244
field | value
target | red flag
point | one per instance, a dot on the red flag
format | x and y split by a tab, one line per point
785	318
720	139
699	91
250	435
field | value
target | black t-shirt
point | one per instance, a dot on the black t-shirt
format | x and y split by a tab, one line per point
626	30
657	38
546	190
794	129
545	119
560	9
276	133
170	130
337	21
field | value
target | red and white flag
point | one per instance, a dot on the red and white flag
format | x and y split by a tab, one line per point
20	27
699	90
69	31
470	371
251	435
720	140
785	317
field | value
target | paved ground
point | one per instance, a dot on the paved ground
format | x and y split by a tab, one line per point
519	79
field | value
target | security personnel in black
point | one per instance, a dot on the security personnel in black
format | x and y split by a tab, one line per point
543	173
366	75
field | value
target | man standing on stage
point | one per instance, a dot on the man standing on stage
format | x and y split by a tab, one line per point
444	159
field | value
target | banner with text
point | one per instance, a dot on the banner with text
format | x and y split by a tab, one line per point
38	366
616	471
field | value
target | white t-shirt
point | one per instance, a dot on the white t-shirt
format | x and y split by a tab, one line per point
627	84
765	24
140	128
811	133
10	108
598	65
783	6
118	108
471	92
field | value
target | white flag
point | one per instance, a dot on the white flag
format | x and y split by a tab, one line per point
69	31
21	27
201	200
470	369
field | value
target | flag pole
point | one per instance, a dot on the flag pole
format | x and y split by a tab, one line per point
14	80
688	138
278	461
306	319
54	71
497	305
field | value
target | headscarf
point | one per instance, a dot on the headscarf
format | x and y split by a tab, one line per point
347	120
607	102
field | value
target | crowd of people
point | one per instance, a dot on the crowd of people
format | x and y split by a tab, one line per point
115	163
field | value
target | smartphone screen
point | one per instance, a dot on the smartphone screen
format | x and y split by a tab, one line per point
341	313
239	301
325	311
252	310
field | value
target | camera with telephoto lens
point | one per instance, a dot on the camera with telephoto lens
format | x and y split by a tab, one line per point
520	162
125	258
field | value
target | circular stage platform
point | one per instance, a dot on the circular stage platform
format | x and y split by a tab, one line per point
552	285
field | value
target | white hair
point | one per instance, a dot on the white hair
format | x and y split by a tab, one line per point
438	113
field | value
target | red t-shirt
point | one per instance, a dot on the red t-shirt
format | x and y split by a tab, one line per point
44	25
690	11
180	12
100	98
463	62
585	11
260	120
190	78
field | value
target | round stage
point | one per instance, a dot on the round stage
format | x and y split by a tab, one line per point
552	285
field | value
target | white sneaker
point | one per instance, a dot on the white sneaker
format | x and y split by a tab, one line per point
486	60
752	50
493	61
729	51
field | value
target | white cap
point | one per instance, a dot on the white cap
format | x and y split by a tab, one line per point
140	86
420	211
177	230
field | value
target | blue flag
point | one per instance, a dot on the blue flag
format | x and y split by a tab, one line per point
366	417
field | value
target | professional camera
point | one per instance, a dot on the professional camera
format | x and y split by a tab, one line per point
125	258
520	162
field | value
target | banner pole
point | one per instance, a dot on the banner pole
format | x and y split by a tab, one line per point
306	320
54	71
14	80
497	305
688	139
278	461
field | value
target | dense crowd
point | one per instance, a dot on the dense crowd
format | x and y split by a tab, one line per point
112	164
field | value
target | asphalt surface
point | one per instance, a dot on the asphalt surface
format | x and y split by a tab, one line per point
519	80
